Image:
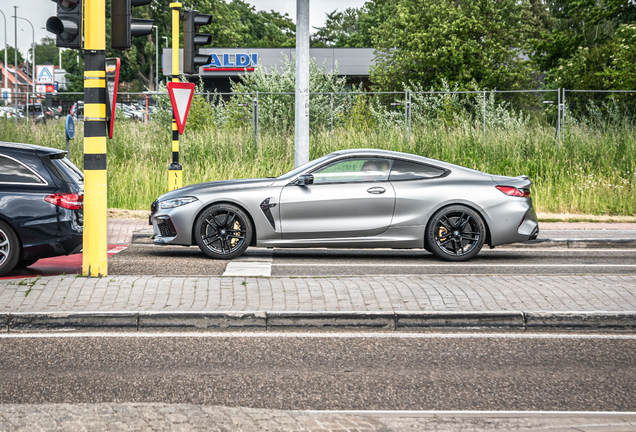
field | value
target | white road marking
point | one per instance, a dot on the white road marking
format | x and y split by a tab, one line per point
460	264
255	335
465	413
250	266
117	249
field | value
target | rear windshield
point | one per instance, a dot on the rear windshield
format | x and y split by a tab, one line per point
66	171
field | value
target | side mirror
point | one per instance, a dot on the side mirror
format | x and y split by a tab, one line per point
304	180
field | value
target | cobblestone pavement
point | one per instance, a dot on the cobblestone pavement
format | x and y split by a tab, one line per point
120	230
426	293
185	417
164	417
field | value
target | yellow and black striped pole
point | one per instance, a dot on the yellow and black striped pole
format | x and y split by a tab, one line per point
95	257
175	171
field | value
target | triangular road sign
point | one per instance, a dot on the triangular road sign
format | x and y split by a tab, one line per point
112	83
181	98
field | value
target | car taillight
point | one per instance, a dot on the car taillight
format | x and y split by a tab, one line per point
69	201
513	191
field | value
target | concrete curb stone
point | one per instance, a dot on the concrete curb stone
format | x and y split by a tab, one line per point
203	320
590	320
67	320
512	319
351	319
519	320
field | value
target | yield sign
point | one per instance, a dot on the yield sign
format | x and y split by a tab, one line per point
112	83
181	97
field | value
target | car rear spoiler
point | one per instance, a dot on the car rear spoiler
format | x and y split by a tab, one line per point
520	182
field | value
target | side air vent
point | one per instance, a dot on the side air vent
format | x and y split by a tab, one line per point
265	207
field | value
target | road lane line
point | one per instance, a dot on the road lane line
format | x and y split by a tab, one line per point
317	335
250	266
461	264
468	413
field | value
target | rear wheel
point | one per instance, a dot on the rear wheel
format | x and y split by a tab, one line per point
456	233
223	231
9	249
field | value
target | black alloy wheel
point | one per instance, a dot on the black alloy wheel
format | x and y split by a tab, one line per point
9	249
456	233
223	231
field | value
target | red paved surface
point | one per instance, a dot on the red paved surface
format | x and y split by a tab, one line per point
71	264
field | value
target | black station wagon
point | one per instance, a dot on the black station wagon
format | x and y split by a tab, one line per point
41	205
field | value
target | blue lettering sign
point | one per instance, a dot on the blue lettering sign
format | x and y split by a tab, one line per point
215	61
226	61
242	60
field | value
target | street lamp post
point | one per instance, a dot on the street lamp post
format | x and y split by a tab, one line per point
5	48
165	39
15	65
156	59
33	53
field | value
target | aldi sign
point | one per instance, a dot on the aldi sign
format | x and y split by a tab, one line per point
232	62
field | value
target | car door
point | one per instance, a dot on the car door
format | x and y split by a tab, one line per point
350	197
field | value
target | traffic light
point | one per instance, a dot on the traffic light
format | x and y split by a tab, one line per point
122	27
192	40
67	24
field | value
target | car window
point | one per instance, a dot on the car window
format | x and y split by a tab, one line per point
354	170
67	170
12	171
403	170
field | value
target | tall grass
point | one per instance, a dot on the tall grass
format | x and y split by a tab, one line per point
591	173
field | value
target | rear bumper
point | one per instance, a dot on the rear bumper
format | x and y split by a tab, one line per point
68	245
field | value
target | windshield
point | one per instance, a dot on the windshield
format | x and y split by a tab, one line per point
302	168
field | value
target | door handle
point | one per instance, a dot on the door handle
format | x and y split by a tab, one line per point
376	190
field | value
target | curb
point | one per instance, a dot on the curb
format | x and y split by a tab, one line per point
145	237
277	320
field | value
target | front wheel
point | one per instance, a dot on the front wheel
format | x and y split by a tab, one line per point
456	233
9	249
223	231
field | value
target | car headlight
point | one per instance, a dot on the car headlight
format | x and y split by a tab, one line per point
176	202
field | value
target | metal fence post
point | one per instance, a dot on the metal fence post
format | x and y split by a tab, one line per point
255	119
484	118
331	142
563	114
406	115
558	118
410	111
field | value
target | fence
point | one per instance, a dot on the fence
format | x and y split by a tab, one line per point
406	109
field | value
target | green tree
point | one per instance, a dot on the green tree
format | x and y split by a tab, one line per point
46	51
342	30
465	43
10	56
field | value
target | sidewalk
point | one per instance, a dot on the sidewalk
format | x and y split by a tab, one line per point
514	301
188	417
519	302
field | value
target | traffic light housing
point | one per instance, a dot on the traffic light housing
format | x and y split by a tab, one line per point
123	27
67	24
192	40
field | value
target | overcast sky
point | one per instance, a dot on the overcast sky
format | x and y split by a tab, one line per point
38	11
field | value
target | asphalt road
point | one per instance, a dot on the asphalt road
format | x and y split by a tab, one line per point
337	372
184	261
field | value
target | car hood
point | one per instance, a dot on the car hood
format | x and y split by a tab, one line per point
209	187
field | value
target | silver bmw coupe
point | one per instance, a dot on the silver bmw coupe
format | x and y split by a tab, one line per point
352	199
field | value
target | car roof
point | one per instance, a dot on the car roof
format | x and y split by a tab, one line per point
39	149
408	156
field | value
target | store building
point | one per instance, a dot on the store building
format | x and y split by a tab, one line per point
230	63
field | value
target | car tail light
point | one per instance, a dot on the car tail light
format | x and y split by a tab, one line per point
69	201
513	191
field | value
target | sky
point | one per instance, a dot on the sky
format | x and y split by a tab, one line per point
38	11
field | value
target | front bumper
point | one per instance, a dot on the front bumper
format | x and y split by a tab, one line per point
174	225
